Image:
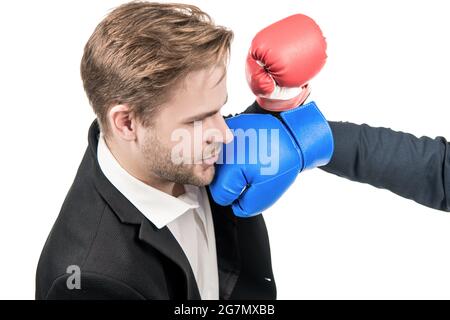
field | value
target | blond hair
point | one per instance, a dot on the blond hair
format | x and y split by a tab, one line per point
140	52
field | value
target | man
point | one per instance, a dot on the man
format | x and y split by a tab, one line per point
138	225
138	222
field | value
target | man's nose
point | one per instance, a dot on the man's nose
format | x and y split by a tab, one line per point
218	131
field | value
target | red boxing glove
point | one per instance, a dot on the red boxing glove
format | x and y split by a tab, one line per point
282	59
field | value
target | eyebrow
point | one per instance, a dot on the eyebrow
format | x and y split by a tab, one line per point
205	114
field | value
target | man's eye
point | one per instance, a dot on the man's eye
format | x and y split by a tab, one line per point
193	121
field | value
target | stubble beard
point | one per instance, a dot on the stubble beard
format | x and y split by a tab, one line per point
158	160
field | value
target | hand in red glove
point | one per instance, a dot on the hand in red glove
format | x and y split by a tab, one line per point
282	59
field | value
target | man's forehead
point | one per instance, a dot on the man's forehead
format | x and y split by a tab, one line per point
202	91
205	78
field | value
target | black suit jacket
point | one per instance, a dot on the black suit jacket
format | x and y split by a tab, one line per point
122	255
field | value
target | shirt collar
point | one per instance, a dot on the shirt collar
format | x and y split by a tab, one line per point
157	206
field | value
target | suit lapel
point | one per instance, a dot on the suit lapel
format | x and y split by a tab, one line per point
163	241
228	258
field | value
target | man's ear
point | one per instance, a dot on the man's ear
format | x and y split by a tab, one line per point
122	122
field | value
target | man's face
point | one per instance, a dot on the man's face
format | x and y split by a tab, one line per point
188	131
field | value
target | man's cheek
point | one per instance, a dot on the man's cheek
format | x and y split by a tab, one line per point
186	146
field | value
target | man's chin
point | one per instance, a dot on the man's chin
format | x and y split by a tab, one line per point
204	174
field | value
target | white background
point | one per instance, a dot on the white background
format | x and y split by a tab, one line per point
388	66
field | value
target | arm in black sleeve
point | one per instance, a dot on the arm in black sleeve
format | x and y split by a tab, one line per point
414	168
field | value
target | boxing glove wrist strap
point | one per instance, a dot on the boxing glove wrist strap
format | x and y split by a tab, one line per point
312	133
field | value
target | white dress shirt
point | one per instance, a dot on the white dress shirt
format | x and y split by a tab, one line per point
187	216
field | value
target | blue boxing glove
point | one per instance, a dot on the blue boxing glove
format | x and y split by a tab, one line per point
267	154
